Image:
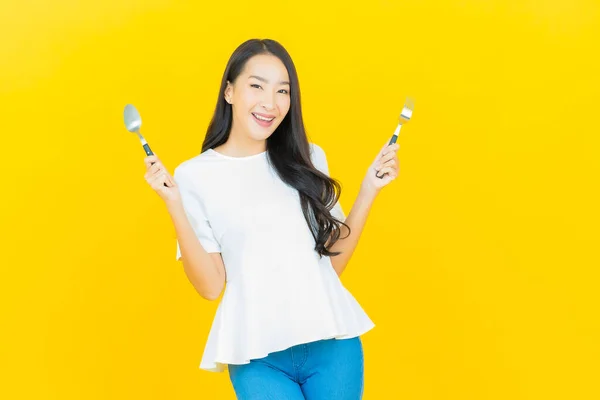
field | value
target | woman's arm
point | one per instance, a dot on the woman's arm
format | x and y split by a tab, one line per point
356	220
205	271
386	163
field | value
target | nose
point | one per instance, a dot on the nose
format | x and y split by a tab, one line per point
267	101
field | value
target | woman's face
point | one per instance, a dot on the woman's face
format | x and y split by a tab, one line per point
260	96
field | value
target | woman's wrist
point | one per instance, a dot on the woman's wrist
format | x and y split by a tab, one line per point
367	191
174	206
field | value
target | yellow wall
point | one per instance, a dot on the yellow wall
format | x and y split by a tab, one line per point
479	264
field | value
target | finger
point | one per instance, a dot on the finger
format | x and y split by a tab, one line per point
170	181
387	149
151	179
159	168
389	174
166	174
158	181
152	170
387	179
382	150
149	160
386	170
390	155
391	149
382	165
156	175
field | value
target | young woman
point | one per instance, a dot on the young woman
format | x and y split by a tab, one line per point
256	213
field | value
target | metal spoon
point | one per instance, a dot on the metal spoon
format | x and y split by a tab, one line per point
405	116
133	123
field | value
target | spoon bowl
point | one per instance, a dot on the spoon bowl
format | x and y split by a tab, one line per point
132	119
133	123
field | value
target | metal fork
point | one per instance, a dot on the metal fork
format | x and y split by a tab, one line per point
405	116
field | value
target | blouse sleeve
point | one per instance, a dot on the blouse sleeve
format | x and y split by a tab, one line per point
196	214
319	160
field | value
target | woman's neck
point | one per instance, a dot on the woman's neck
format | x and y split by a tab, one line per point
241	145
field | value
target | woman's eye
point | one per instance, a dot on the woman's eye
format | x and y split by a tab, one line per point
255	85
283	91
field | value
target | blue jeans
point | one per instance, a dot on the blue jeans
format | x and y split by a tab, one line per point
329	369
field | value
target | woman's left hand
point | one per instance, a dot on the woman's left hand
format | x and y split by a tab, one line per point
386	163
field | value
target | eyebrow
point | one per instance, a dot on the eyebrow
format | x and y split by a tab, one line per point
266	81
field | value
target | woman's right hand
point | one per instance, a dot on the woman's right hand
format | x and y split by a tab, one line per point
160	180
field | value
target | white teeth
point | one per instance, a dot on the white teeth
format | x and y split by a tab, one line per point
263	118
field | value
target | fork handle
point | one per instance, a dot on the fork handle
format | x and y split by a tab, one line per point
392	141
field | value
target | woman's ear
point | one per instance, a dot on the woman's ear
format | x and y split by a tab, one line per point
228	92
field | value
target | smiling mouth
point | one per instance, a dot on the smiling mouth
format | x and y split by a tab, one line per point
258	117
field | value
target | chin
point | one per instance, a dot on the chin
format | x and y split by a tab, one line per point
261	134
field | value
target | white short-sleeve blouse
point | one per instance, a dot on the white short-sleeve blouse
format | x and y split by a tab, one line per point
279	292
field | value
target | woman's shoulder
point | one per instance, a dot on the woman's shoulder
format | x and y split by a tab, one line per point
193	167
318	157
316	150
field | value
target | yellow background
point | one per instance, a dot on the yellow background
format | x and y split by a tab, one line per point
479	265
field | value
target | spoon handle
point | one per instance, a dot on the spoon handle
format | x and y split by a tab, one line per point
150	153
147	150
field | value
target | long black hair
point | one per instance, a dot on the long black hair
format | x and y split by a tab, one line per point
288	149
